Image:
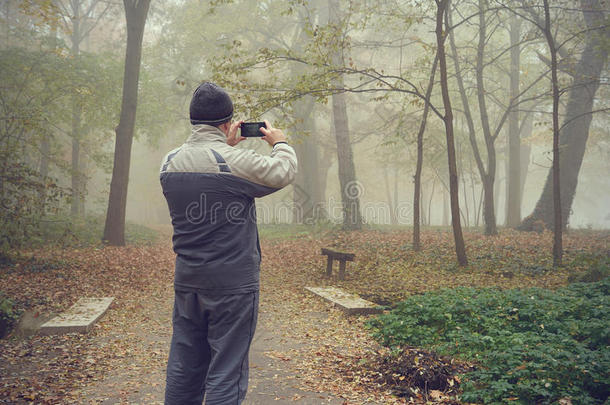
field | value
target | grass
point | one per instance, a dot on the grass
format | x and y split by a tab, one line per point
88	231
293	231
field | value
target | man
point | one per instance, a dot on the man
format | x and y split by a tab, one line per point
210	188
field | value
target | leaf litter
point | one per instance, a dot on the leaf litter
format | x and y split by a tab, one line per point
124	356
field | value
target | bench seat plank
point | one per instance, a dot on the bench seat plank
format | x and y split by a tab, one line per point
78	318
338	255
349	303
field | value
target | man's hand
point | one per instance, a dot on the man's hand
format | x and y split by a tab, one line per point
272	135
232	137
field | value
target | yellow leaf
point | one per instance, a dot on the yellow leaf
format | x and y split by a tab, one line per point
436	394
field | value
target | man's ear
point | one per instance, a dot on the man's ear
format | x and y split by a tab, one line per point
225	127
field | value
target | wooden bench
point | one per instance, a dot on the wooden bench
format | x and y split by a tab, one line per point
342	257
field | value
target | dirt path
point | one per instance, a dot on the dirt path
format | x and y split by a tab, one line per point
303	352
142	381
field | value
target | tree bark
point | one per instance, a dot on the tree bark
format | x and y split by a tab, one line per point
526	128
43	170
83	166
307	195
466	210
466	106
324	165
430	201
351	189
45	147
420	160
79	180
558	228
136	12
578	115
513	190
76	115
487	176
460	249
389	197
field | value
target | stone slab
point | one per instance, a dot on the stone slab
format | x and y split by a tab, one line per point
80	317
349	303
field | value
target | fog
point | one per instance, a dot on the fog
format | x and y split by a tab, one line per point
294	63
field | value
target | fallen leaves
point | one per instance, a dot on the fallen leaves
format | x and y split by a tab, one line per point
417	373
123	357
274	354
52	369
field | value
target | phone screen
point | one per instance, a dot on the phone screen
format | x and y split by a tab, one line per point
251	129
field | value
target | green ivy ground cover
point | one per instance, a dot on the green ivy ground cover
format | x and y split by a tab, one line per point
530	345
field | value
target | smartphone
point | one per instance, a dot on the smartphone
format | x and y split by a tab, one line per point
251	129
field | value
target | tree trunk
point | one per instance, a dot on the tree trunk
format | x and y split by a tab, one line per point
395	211
488	176
578	115
135	15
489	215
83	165
527	127
466	107
445	209
478	208
430	201
466	210
526	151
76	116
475	211
497	191
307	196
389	198
43	170
351	189
420	160
324	166
558	228
307	193
460	249
513	190
45	146
423	209
79	163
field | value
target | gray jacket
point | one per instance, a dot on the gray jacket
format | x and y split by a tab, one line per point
210	189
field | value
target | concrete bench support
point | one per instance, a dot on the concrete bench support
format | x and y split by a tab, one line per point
80	317
351	304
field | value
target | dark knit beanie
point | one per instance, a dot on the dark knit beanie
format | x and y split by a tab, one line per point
210	105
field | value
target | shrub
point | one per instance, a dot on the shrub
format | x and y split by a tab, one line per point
530	345
25	200
597	265
8	315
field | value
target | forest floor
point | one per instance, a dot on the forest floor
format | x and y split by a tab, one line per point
304	351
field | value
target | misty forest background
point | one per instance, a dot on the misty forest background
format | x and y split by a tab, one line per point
348	83
460	148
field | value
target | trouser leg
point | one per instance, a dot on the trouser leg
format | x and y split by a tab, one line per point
231	328
189	356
